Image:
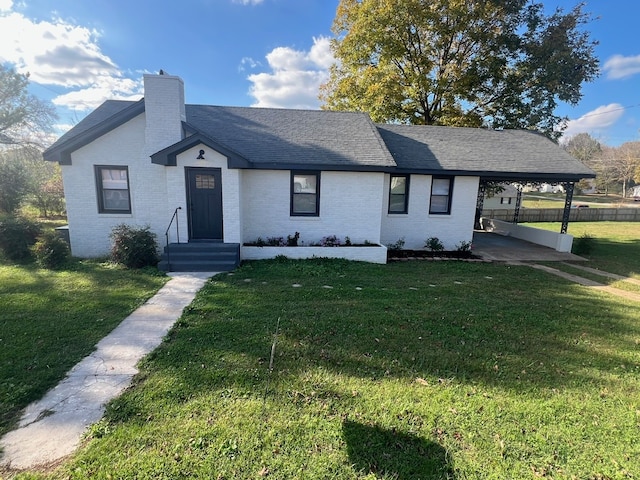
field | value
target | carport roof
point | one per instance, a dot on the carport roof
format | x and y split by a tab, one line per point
491	154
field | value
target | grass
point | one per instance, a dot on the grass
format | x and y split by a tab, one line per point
50	320
616	245
431	370
556	200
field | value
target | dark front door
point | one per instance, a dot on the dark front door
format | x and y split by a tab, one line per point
204	203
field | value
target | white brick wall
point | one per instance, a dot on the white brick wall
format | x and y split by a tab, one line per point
164	110
89	230
418	224
256	203
350	205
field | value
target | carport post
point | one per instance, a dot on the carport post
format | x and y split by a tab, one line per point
568	187
516	212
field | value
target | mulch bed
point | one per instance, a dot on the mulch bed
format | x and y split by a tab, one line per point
403	255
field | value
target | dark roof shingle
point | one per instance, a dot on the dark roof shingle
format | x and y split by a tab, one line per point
489	153
322	139
271	136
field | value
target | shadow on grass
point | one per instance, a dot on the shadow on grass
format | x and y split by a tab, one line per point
392	454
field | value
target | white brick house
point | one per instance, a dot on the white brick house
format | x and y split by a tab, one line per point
233	174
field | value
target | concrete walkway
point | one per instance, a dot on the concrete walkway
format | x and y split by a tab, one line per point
52	428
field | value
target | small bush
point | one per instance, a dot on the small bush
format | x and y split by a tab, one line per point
399	245
292	241
330	241
134	247
17	236
464	247
51	251
276	242
434	244
583	245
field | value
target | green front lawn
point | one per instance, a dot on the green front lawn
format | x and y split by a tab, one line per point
616	245
427	370
50	320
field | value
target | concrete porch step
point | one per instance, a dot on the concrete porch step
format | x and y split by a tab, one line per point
200	257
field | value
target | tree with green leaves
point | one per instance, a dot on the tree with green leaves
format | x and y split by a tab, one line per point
26	179
23	117
492	63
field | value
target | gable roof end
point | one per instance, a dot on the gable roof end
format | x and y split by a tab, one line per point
169	156
106	117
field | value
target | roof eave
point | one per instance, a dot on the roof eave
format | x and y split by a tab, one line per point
168	156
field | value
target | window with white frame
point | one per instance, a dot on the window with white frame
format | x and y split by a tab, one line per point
112	183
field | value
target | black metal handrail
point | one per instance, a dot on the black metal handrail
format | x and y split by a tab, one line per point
166	236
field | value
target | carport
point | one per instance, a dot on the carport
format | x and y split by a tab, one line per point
501	248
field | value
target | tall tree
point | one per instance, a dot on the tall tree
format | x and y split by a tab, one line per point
583	147
496	63
23	117
626	162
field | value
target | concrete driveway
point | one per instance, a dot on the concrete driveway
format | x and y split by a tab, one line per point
500	248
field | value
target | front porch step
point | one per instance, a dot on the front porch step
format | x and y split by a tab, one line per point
200	257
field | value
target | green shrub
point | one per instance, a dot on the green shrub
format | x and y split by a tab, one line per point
17	236
434	244
464	247
583	245
399	245
134	247
51	251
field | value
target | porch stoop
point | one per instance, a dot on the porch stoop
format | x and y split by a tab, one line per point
200	257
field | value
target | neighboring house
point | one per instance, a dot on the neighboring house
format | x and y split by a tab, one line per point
506	199
549	188
233	174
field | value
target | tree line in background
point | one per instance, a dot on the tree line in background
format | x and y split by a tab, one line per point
25	122
617	168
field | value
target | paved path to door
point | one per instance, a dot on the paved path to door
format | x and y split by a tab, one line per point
52	428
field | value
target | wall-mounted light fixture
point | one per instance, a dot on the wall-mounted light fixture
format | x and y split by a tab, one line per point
201	155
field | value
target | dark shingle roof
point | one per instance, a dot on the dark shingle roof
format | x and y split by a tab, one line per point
516	154
320	139
271	136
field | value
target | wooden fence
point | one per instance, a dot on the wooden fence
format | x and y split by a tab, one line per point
555	214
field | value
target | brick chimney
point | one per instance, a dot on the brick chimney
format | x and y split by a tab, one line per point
164	110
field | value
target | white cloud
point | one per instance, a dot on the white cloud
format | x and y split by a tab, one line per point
618	66
295	78
105	88
248	62
58	53
248	2
595	121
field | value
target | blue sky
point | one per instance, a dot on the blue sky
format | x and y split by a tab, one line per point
272	53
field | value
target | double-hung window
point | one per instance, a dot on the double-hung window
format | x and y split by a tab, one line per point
112	183
305	194
399	194
441	190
